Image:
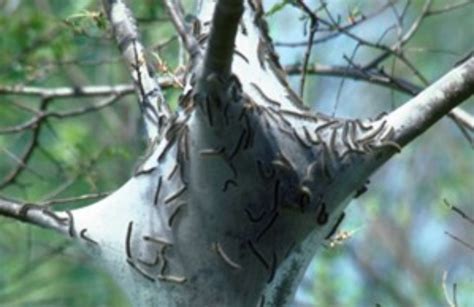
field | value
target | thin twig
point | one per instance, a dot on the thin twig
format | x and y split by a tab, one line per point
77	92
459	211
35	122
451	303
449	7
176	13
460	116
349	25
456	238
28	152
313	27
73	199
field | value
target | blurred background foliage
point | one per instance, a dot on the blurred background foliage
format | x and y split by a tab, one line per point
396	251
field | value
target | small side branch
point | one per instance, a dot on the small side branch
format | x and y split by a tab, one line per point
451	302
449	7
356	73
465	123
35	215
313	26
175	10
154	108
418	114
459	212
220	49
459	240
40	116
463	119
78	92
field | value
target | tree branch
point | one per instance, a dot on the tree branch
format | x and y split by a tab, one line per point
152	103
313	27
22	161
175	10
220	49
465	123
334	33
418	114
73	92
449	7
372	76
41	115
464	120
35	215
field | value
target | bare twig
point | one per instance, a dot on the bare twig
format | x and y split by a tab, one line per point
459	211
34	122
395	50
75	92
73	199
451	303
27	154
397	47
449	7
22	163
176	12
465	123
464	120
313	27
357	73
456	238
334	34
341	84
